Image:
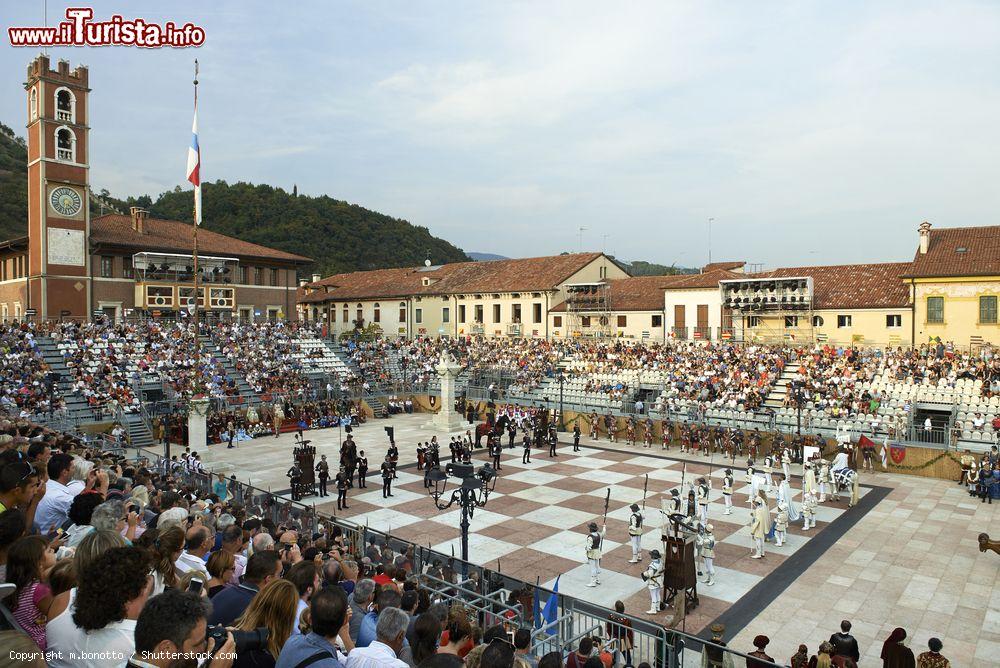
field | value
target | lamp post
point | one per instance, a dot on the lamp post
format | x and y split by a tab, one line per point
473	493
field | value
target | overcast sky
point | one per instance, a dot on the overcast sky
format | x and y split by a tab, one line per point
811	132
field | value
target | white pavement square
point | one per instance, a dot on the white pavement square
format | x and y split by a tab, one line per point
385	519
480	519
482	549
569	545
558	517
613	585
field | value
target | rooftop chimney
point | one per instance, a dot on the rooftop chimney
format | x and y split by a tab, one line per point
138	219
925	237
302	282
316	278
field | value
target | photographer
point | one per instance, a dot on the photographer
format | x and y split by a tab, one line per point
174	623
330	615
270	615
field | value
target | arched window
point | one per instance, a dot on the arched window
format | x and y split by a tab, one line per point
347	317
817	321
377	315
358	312
65	105
33	104
65	144
402	311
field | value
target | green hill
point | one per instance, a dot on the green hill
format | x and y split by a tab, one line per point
340	236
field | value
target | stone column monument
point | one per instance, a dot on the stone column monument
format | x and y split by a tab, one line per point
447	419
197	424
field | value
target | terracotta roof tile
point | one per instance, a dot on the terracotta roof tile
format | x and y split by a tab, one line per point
981	256
172	236
524	275
729	266
704	280
853	285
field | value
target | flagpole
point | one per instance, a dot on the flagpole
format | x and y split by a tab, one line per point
197	339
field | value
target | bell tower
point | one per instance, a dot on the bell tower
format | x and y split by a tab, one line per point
58	188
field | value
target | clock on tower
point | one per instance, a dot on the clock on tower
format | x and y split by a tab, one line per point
59	283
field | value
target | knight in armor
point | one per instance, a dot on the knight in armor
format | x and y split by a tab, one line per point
362	470
653	577
526	444
823	479
701	493
553	440
576	437
387	471
780	523
294	478
323	469
706	543
692	502
496	449
808	511
674	503
635	533
727	491
595	539
758	528
342	481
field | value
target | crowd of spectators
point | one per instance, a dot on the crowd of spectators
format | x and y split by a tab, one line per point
27	384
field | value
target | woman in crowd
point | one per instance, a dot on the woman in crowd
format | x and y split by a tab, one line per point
221	566
272	608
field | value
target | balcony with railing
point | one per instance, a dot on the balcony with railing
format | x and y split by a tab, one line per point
514	329
702	333
679	333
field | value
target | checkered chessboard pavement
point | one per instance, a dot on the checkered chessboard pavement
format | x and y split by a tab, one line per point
535	523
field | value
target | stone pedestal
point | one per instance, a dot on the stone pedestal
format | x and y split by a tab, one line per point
197	424
447	419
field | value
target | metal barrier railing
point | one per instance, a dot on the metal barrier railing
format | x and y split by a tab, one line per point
482	592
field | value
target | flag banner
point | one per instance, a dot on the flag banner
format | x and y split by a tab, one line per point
194	167
551	605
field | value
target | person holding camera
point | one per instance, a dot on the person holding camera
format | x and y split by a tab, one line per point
266	625
330	616
172	623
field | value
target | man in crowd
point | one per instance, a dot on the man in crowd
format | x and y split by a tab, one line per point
53	508
359	601
198	543
173	623
384	650
305	576
330	617
230	603
20	488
